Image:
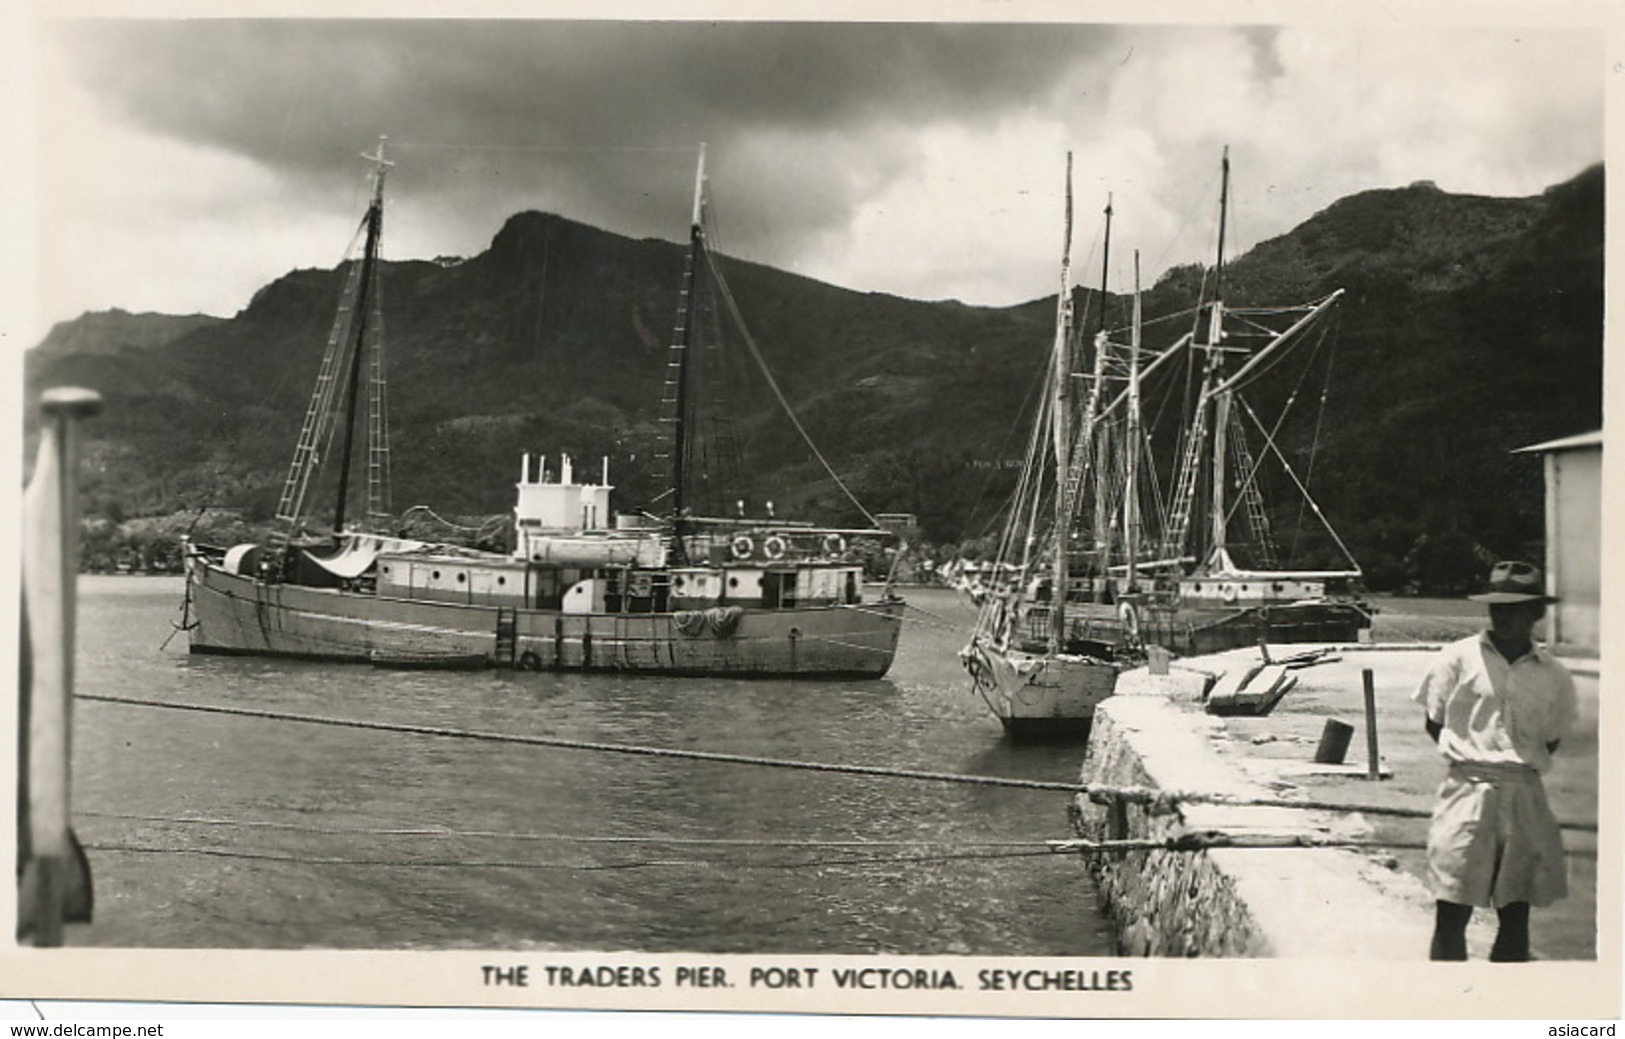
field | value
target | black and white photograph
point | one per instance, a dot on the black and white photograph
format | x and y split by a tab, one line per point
1001	511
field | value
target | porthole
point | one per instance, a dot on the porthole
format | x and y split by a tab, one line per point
461	578
435	575
502	580
733	582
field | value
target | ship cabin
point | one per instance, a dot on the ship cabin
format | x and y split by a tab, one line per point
565	558
1222	584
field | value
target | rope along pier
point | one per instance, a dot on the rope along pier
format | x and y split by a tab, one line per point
1163	800
854	851
530	864
1189	842
1194	840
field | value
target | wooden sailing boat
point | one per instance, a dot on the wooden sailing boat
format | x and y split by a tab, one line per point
582	589
1204	598
1040	667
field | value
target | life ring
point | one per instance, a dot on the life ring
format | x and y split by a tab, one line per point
742	546
528	661
1129	617
773	547
834	544
1227	592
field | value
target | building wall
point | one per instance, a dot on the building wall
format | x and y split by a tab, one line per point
1574	545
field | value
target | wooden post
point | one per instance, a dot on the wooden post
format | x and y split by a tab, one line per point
50	571
1373	769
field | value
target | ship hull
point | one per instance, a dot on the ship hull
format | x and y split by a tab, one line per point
1195	631
239	614
1039	698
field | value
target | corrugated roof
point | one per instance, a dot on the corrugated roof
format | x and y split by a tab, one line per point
1565	443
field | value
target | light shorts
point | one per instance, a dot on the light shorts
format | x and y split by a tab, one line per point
1494	840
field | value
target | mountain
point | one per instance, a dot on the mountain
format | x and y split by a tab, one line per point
108	332
1471	326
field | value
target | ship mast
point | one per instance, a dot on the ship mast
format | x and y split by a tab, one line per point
1059	417
677	366
1131	505
369	265
358	303
1099	445
1105	268
1221	402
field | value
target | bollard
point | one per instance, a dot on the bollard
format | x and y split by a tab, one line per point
1373	770
1334	742
1157	660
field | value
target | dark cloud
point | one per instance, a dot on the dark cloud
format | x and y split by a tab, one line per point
598	120
582	81
907	157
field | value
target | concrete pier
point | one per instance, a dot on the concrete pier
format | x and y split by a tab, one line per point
1367	902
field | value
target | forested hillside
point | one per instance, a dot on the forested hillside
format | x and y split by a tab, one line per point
1470	326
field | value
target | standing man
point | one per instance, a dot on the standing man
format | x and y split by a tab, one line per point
1497	705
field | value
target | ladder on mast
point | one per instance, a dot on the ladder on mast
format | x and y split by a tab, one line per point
1263	538
378	482
1179	520
671	400
1081	462
319	413
674	402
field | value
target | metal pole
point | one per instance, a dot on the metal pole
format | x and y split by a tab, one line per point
1373	770
50	571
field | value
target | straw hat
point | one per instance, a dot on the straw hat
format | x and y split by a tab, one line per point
1514	582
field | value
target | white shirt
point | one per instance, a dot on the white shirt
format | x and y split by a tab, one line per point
1493	712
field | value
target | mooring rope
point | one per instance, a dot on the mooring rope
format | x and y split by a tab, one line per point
1195	841
1204	840
1185	841
828	641
940	621
589	745
1154	799
337	860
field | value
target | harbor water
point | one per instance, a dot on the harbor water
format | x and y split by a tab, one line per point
218	831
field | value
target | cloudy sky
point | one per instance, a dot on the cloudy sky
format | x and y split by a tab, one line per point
183	164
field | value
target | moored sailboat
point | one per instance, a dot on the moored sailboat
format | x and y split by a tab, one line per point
582	589
1040	668
1215	586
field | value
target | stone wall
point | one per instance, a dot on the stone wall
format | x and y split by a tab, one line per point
1164	903
1246	902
